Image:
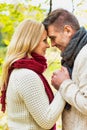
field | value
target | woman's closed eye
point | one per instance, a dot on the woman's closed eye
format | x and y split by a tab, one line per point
45	40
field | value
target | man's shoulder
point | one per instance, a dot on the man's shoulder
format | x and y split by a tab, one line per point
81	58
83	52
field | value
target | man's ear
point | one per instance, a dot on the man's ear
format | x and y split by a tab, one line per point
68	30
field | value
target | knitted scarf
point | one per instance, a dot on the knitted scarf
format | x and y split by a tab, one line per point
68	56
38	65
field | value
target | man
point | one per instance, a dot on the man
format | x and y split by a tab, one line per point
71	80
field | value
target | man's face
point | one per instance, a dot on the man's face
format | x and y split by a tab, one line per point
60	39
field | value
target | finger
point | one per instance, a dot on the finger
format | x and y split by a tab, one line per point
56	72
51	82
52	76
64	69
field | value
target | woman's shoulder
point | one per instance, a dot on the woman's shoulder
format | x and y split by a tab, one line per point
24	73
25	77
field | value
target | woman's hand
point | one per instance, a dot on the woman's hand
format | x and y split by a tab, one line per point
59	76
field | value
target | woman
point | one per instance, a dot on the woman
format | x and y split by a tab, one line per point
29	99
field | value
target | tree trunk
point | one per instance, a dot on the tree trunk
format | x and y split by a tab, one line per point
50	7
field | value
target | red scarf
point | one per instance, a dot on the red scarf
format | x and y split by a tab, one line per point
38	65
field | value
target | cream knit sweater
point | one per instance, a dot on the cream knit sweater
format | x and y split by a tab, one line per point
28	104
75	93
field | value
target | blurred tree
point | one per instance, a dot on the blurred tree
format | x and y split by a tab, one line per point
80	10
1	39
50	9
12	14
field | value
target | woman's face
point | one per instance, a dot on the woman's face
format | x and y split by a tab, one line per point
43	45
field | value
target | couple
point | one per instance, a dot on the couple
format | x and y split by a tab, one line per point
30	102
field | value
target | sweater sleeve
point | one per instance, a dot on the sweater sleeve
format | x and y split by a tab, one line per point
31	90
75	91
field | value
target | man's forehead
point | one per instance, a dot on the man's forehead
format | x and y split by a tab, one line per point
52	30
51	33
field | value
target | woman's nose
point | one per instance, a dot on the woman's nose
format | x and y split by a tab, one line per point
48	46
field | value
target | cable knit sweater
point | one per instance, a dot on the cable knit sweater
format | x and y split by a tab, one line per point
28	105
75	93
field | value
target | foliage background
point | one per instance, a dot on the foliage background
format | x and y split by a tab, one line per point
11	15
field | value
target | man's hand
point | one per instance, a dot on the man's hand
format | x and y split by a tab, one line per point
59	76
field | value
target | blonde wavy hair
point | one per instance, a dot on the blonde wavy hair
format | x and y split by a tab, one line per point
25	39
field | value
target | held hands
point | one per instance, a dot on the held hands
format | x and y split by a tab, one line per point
59	76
